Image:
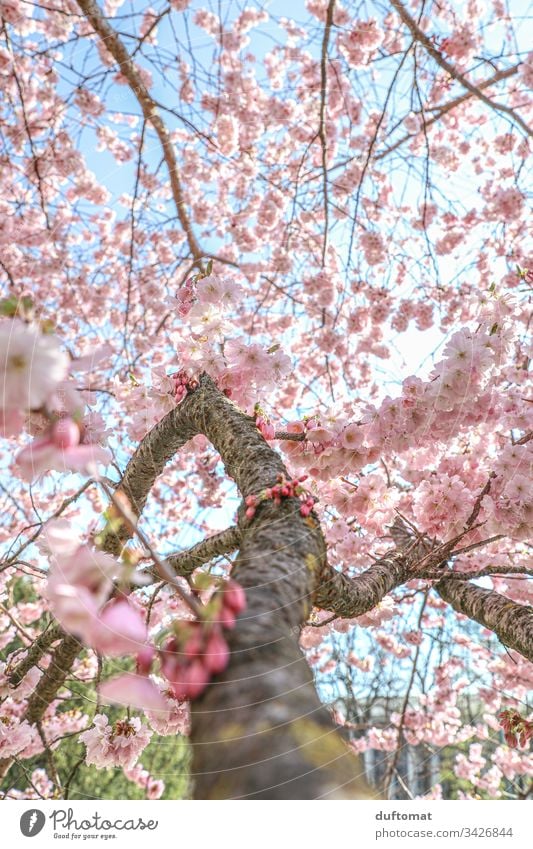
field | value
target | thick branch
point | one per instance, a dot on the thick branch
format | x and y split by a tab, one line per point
292	437
488	571
38	648
511	622
114	45
260	731
53	678
350	597
50	683
430	48
186	562
149	460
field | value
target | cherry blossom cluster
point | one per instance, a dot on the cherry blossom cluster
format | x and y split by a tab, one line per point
141	777
116	744
183	384
15	736
174	719
456	398
40	787
282	489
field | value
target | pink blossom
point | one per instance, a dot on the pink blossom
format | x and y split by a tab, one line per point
26	686
31	365
461	45
58	538
14	736
119	744
118	629
373	248
79	582
319	434
359	44
11	422
174	719
227	135
44	454
137	691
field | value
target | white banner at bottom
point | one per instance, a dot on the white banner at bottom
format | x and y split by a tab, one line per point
255	825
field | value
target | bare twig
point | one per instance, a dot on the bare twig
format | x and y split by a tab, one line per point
322	125
430	48
448	107
162	566
112	43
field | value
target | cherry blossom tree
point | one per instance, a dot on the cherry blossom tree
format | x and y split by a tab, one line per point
264	393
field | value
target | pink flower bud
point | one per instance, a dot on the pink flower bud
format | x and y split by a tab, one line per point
234	597
226	618
193	645
190	681
144	660
65	433
216	654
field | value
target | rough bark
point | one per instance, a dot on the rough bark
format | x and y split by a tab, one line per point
260	731
349	597
185	562
50	683
511	622
38	648
53	678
